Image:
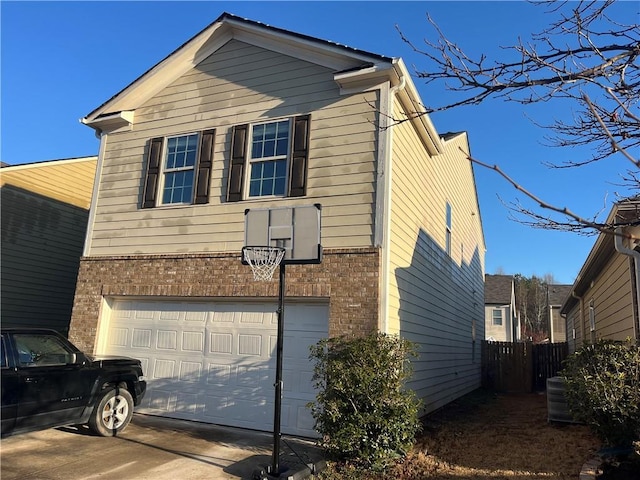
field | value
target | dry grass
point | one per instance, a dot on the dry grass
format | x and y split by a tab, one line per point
486	436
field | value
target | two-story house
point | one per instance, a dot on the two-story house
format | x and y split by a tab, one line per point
249	116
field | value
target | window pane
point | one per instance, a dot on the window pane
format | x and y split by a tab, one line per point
270	139
282	146
268	169
258	133
270	131
191	158
268	178
256	171
256	150
254	188
269	148
281	168
279	187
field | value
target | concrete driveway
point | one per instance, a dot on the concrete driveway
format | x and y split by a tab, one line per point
151	448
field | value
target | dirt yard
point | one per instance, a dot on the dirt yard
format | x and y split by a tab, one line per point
487	436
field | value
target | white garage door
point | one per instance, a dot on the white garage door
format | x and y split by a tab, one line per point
215	362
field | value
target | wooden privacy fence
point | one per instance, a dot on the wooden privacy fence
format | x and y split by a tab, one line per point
520	367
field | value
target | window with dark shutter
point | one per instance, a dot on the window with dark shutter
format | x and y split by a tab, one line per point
299	157
207	143
179	169
150	191
237	162
269	159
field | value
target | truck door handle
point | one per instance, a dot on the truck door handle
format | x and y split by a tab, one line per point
30	380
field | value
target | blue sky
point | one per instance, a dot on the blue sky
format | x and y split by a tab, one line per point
61	60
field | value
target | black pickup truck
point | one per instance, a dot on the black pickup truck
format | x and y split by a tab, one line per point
47	382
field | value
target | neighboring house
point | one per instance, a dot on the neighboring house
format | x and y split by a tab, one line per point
556	295
248	116
45	208
603	302
501	318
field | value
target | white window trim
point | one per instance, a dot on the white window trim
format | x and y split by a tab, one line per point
493	319
251	160
592	316
163	171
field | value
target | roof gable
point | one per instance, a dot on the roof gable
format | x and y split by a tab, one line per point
354	70
332	55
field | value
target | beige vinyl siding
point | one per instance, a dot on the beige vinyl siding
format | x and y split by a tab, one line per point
613	302
238	84
42	241
433	299
611	293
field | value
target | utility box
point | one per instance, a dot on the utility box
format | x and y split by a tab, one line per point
557	407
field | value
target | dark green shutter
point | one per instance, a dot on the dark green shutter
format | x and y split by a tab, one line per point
299	156
154	156
237	162
207	144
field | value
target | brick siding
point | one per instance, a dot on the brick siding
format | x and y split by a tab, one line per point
348	278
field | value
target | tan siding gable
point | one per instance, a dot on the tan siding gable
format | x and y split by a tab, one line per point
241	83
613	300
68	181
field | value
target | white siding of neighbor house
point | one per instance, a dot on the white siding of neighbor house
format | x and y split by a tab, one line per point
499	333
434	299
241	83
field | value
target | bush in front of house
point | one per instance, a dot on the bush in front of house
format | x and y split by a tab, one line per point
603	390
363	411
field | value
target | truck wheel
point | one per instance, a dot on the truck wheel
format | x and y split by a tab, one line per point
112	413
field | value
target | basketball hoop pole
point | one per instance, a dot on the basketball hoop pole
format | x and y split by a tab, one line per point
275	463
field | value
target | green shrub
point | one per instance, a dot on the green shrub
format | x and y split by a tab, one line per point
362	410
603	390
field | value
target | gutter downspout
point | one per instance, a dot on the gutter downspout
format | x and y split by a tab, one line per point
386	241
635	255
94	197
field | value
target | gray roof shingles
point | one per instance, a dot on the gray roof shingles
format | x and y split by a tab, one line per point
497	289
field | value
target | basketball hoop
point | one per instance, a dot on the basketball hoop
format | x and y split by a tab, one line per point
263	260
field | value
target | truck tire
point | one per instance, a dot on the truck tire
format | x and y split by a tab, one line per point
112	413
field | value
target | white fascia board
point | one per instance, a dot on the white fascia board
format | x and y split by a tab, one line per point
369	78
111	122
46	163
413	104
323	55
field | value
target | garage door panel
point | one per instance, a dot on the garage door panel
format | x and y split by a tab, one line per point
191	372
215	362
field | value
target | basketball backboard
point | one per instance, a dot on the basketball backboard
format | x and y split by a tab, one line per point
296	229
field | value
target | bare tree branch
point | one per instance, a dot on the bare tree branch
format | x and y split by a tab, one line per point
583	53
577	223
